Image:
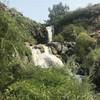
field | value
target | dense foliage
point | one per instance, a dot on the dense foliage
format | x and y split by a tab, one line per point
15	31
57	13
87	18
21	80
47	84
81	26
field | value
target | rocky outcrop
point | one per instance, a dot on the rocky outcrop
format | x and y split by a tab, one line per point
64	49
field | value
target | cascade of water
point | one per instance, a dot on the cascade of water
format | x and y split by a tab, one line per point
47	49
44	59
50	33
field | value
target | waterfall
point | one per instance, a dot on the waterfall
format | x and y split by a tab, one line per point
42	56
50	33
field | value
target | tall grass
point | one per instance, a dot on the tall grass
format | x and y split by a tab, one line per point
48	84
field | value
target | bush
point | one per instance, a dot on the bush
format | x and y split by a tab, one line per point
93	63
70	32
84	44
94	56
58	38
12	48
48	84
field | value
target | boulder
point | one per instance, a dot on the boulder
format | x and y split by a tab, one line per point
56	45
64	49
54	51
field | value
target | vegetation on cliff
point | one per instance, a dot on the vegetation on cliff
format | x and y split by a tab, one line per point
20	79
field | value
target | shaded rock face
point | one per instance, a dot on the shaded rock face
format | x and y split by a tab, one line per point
41	35
64	49
43	57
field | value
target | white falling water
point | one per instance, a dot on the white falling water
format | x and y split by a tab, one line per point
44	59
50	33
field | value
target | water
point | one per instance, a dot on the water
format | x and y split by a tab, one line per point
50	33
45	59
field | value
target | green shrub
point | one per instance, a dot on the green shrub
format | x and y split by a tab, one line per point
58	38
94	55
48	84
12	48
93	63
84	44
71	31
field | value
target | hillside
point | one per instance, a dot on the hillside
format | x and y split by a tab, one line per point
81	27
67	68
70	23
35	32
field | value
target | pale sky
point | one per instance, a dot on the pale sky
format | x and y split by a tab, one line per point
38	9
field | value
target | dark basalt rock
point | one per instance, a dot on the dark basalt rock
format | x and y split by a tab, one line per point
56	45
64	49
40	48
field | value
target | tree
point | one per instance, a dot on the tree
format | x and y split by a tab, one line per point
57	13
